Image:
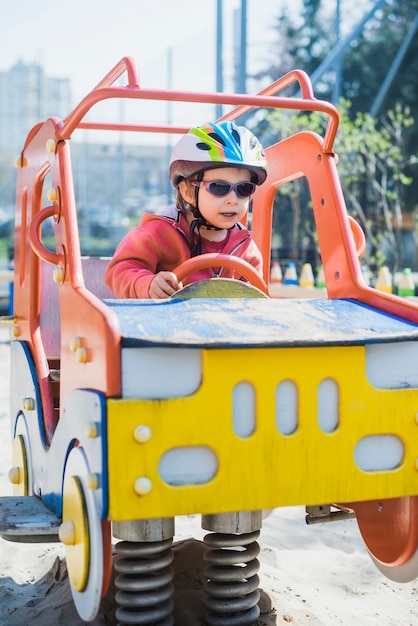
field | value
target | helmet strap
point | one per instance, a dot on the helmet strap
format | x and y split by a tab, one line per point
196	247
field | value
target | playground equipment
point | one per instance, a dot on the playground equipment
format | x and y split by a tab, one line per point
221	401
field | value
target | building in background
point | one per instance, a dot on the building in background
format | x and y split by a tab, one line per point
28	96
114	183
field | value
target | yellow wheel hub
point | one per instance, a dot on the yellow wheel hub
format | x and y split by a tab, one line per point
74	533
18	474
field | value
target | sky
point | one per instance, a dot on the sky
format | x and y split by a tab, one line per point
83	39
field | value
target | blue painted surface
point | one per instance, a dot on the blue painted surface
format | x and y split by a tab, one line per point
215	323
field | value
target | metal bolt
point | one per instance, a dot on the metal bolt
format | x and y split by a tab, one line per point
93	480
91	430
143	486
52	194
51	146
58	274
75	343
66	533
81	355
21	161
29	404
15	475
142	433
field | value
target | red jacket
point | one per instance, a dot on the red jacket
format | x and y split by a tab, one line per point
161	242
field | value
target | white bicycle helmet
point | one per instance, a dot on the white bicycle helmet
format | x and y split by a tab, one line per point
215	145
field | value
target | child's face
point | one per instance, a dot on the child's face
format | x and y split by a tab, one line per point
224	211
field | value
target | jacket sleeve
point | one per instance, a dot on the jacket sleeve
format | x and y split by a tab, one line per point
146	250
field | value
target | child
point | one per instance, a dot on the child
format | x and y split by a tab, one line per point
215	169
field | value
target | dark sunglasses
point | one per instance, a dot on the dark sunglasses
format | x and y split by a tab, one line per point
219	188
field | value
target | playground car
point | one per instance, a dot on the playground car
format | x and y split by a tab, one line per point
221	401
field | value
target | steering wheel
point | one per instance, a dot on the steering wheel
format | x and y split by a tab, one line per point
214	259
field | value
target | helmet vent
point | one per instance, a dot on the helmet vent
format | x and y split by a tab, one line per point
217	138
202	146
236	136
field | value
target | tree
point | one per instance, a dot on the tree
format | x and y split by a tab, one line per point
373	161
370	60
305	41
302	42
374	165
378	163
371	55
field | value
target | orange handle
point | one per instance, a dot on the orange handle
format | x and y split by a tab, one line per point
359	237
34	235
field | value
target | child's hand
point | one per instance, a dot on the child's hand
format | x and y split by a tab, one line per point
163	285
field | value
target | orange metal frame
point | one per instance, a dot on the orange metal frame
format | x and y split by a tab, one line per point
46	152
85	322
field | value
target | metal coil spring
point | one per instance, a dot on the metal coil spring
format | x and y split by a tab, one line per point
145	593
232	580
